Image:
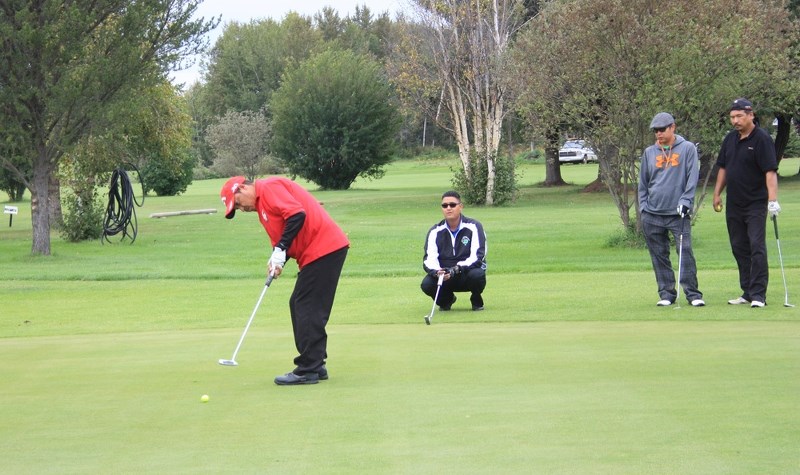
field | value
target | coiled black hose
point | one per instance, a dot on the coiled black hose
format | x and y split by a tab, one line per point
120	213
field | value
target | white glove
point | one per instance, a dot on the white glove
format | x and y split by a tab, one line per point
774	208
278	259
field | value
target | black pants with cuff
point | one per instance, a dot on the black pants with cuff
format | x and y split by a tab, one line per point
747	233
310	306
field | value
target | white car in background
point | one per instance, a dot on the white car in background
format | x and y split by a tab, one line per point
576	151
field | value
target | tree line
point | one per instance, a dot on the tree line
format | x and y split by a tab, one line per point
331	98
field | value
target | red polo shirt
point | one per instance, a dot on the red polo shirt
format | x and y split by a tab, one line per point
277	199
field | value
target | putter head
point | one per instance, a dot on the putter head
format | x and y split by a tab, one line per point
787	304
228	363
427	319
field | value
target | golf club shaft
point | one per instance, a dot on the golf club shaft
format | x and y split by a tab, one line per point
680	262
249	321
435	298
780	259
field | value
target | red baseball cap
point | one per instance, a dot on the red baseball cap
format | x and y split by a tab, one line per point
227	192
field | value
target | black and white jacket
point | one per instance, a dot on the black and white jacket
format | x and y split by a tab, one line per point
465	248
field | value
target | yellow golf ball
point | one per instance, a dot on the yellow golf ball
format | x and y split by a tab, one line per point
718	208
204	398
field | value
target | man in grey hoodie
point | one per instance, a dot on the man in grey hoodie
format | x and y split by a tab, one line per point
667	181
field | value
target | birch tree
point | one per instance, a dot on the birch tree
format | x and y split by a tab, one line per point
458	53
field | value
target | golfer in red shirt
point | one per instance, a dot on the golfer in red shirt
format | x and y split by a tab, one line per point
300	228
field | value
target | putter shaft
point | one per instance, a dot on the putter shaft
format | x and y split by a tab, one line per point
780	258
429	317
232	361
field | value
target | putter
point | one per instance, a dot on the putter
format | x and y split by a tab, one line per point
780	258
438	288
232	361
680	262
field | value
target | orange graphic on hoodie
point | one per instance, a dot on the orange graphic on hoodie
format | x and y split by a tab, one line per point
664	161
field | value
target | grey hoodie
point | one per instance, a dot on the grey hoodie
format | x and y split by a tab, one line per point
668	178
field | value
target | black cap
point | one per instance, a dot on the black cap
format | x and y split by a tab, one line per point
742	104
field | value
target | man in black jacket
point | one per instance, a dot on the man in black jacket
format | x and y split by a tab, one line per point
455	248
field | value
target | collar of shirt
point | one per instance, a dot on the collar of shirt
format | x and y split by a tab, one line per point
458	228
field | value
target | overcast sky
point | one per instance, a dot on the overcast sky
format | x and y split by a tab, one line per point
245	10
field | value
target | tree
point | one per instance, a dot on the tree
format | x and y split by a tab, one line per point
607	66
64	62
246	63
367	34
335	119
537	92
241	143
160	138
202	117
789	111
152	131
11	185
148	132
329	23
459	54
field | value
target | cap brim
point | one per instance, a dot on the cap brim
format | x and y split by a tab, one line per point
228	195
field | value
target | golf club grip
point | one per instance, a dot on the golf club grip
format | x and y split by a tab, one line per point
269	280
775	223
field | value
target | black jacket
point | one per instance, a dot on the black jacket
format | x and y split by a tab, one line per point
466	249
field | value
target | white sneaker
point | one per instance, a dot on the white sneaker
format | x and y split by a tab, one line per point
664	303
698	303
756	304
738	301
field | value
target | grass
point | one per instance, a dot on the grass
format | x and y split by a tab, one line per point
105	350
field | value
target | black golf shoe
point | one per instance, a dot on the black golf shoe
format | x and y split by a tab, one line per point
445	308
291	379
322	372
477	302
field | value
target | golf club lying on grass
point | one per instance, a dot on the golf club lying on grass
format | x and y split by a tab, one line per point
438	288
780	258
232	361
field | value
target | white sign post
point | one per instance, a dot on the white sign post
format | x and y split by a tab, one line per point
10	211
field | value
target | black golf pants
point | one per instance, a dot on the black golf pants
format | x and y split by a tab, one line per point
472	280
310	306
747	233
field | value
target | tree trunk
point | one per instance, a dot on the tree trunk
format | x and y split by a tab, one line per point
782	136
552	164
494	132
40	205
17	192
618	175
490	179
460	127
54	200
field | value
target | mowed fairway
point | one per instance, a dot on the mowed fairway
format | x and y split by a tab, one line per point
105	350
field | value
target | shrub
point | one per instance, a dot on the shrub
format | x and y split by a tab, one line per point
334	119
473	188
83	215
169	178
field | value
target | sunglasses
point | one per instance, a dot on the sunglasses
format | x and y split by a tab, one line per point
661	129
450	205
